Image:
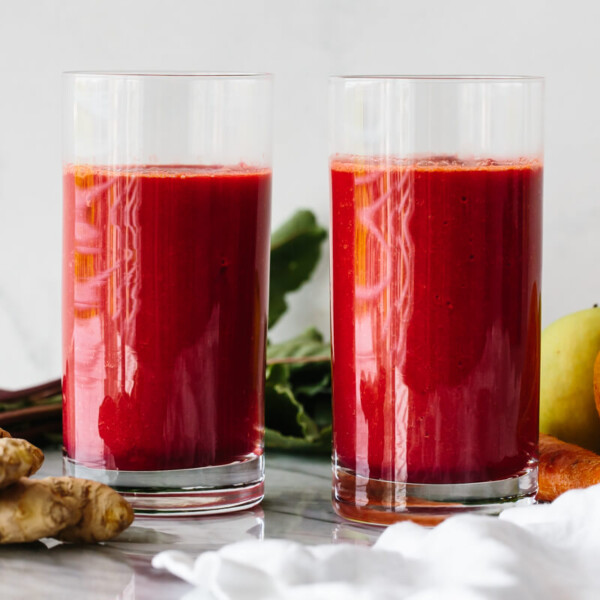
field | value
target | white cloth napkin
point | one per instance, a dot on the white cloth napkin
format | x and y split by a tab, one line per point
543	552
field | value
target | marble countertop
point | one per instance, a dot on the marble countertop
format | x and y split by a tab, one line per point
297	506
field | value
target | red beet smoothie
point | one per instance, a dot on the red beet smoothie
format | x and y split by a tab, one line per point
165	314
436	318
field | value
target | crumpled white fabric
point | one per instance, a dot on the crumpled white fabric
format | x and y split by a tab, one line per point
542	552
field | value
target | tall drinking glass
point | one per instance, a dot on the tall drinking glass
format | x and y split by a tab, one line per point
167	186
436	262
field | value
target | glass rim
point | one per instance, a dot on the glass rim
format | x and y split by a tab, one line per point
442	78
218	75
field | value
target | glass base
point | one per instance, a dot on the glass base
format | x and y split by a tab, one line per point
380	502
183	492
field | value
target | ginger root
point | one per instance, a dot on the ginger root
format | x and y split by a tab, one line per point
100	512
18	458
67	508
29	510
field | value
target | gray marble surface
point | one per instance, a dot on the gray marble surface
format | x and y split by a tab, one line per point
297	506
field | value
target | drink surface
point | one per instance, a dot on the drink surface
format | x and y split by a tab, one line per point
436	271
165	295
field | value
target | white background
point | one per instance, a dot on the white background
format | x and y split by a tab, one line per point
301	42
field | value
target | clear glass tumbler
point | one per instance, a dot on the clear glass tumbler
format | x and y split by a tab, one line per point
435	267
167	191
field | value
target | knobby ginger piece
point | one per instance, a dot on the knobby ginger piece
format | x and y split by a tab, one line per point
564	467
66	508
18	458
101	512
30	510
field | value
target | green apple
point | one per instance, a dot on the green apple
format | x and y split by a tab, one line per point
567	406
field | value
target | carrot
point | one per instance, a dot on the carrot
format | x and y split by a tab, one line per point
564	467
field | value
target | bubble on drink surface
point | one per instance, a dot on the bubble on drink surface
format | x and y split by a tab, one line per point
486	162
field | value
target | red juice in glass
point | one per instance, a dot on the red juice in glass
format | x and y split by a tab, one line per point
165	308
435	362
167	191
436	242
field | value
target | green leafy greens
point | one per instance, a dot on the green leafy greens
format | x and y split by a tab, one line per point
298	374
295	252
